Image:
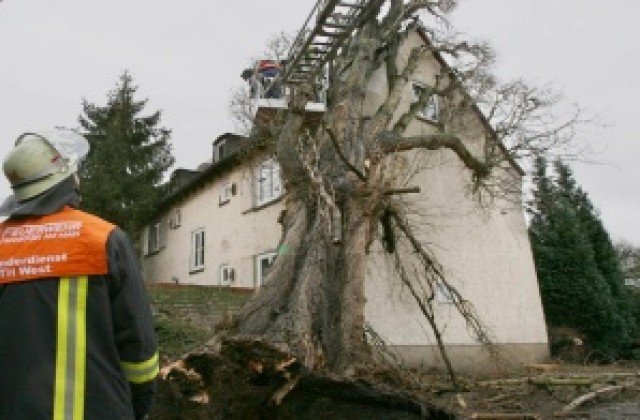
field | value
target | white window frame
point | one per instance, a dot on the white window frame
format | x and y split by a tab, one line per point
198	245
220	149
176	219
227	275
226	192
443	294
268	182
260	273
153	232
431	110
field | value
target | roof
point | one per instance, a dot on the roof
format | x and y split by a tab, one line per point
228	136
194	179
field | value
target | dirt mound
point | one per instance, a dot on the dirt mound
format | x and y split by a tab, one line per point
250	379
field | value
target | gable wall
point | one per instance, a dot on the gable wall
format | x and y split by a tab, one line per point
484	248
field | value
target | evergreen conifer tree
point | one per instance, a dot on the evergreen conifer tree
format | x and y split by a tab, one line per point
580	279
606	257
120	180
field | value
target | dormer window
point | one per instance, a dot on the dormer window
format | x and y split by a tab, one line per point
221	150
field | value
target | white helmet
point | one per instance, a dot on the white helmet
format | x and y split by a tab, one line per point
43	159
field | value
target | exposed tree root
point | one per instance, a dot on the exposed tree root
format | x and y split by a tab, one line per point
252	379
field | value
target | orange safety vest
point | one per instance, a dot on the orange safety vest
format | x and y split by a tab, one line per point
63	244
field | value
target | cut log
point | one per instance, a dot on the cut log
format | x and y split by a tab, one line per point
606	391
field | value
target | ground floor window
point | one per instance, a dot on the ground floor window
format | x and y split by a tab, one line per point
197	250
443	293
227	275
153	238
263	264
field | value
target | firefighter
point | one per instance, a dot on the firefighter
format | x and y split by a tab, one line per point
76	332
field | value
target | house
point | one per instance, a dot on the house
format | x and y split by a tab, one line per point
221	229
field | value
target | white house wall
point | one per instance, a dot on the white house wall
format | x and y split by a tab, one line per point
234	233
485	255
483	247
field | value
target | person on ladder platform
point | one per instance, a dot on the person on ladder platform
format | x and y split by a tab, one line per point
76	332
268	71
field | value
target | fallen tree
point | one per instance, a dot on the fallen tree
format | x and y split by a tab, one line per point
299	348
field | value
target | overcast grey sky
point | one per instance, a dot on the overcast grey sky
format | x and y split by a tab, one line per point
187	55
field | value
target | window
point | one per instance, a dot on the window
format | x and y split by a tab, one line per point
443	294
431	110
197	250
226	192
153	238
175	220
268	184
227	275
263	264
221	150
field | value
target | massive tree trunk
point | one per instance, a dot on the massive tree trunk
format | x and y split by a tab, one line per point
313	298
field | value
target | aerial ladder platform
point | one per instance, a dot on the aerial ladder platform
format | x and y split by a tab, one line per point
324	32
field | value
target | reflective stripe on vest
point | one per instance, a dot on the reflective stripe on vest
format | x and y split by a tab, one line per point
63	244
71	349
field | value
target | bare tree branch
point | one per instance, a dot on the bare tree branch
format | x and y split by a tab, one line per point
434	142
342	156
385	113
427	312
433	273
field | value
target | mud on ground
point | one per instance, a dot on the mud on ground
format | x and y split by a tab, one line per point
544	392
247	379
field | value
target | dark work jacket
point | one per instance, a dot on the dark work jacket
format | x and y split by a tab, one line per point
121	354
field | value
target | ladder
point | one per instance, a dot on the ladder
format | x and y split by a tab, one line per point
329	24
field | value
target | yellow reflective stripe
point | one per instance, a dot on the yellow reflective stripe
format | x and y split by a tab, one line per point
81	348
71	344
61	349
144	371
